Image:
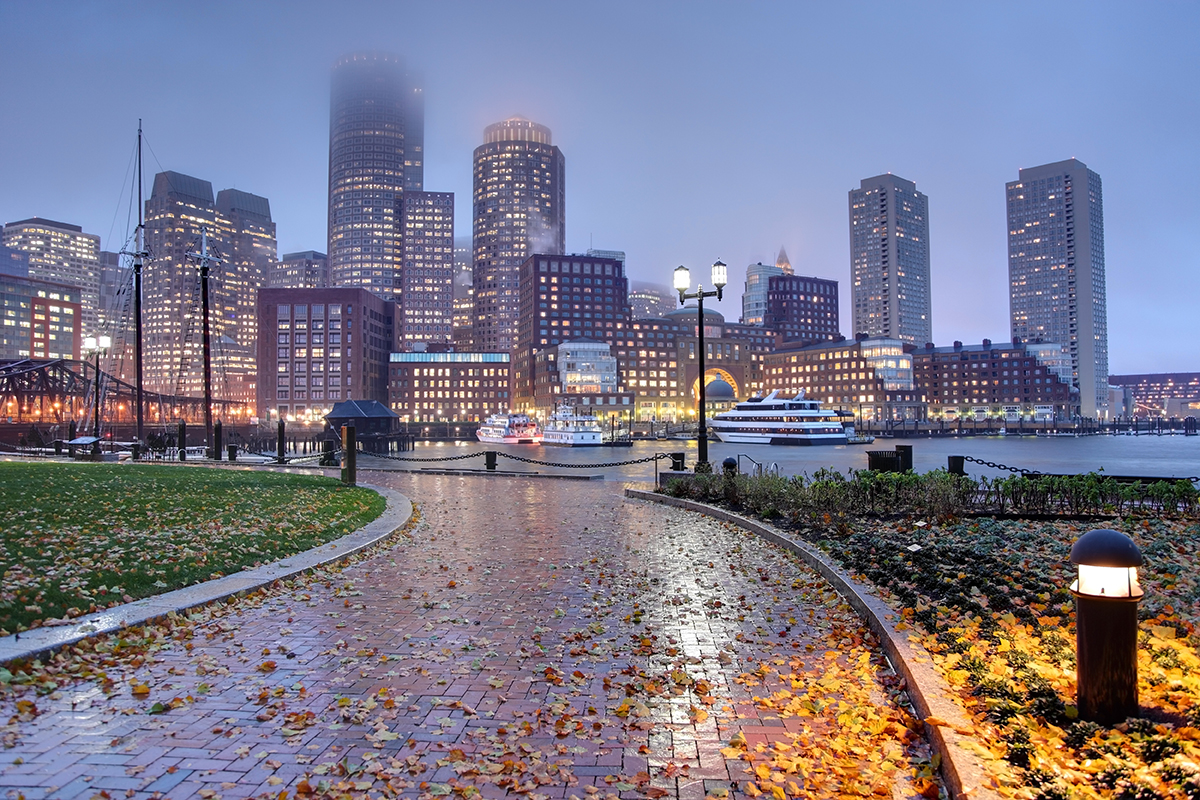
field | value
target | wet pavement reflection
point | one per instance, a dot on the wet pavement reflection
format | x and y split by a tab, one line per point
545	638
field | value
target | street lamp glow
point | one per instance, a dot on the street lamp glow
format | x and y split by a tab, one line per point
1107	581
683	280
720	275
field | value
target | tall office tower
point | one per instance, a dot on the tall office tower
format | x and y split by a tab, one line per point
563	298
520	201
306	269
802	309
60	253
425	304
376	152
241	234
889	260
754	297
650	300
1056	270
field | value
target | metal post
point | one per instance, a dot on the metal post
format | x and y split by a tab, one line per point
702	436
281	444
349	451
216	449
182	433
489	459
96	404
1106	656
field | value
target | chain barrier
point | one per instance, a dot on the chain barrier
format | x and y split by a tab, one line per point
414	458
1031	472
654	457
994	465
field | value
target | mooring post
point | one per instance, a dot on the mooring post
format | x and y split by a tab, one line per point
281	444
349	451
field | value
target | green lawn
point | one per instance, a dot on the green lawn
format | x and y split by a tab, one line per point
76	538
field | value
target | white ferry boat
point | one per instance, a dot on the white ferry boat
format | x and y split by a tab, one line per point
777	420
568	428
509	429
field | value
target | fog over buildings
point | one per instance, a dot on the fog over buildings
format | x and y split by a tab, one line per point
679	154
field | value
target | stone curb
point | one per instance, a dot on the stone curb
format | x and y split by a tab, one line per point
40	642
962	771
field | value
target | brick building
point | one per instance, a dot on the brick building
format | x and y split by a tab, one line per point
993	379
448	387
869	378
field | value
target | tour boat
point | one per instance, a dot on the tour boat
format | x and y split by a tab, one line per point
568	428
779	420
509	429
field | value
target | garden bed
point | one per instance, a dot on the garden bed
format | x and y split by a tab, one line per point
990	600
77	538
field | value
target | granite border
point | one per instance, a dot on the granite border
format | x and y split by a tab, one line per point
39	642
961	769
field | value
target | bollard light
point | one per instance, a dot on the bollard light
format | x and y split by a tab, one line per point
1106	596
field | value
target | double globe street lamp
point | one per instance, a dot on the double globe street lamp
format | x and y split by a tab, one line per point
683	282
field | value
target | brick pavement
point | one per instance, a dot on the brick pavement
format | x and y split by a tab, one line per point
543	638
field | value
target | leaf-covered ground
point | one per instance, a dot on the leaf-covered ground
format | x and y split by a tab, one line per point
76	538
528	639
990	600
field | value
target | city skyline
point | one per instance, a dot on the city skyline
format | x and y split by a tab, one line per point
788	148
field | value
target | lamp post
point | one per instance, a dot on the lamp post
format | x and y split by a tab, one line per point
1106	599
96	345
683	281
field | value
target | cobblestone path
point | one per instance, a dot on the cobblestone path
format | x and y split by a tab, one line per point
538	638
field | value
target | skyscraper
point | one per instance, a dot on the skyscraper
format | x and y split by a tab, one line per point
1056	270
754	296
520	199
425	302
889	260
60	253
376	152
306	269
240	232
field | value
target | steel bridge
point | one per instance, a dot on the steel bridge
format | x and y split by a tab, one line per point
53	392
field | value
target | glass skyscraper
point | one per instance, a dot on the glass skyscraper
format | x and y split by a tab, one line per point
519	210
1056	270
889	260
376	152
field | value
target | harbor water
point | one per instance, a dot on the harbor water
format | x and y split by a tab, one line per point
1158	456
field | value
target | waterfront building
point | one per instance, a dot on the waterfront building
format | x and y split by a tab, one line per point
376	153
802	309
319	347
1009	380
41	319
307	269
448	386
583	373
519	210
1162	394
425	298
889	260
1056	271
241	234
61	253
660	365
870	377
564	298
754	296
650	300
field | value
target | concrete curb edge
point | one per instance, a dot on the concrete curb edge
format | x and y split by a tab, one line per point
962	771
40	642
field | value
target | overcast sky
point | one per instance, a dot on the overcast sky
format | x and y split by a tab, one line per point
692	131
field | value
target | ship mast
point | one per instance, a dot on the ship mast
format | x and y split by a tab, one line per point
139	254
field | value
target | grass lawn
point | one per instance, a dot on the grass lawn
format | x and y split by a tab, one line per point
76	538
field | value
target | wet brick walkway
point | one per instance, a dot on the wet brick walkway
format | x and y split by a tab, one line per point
542	638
